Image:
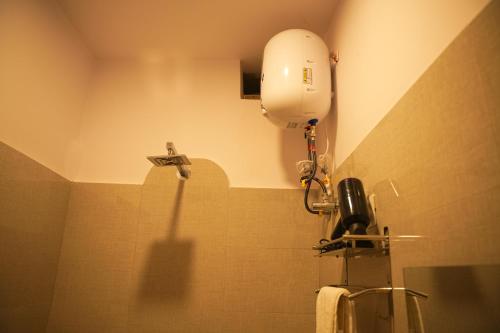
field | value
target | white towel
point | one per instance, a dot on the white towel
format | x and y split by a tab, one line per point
330	311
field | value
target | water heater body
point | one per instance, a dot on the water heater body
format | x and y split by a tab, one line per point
296	79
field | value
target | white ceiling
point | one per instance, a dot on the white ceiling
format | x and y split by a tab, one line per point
156	29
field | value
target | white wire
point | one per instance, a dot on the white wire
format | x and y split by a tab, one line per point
334	166
327	140
327	148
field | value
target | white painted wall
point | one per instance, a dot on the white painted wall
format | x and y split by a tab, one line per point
134	107
44	70
385	46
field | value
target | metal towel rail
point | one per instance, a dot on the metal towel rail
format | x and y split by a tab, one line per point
380	290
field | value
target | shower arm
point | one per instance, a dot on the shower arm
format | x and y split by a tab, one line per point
183	171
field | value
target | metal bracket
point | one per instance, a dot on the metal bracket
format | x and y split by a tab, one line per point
183	171
326	207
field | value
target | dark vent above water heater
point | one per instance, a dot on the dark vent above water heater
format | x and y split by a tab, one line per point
250	85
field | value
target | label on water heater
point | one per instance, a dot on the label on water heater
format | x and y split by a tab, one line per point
307	76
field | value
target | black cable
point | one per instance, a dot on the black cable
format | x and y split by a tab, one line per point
321	184
323	187
314	167
306	195
309	179
311	153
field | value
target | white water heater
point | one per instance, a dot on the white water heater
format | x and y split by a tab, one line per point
295	84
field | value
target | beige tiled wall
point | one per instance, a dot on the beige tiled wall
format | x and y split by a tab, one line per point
439	148
463	298
33	203
95	265
192	256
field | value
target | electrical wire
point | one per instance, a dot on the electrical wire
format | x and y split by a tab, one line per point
317	180
327	140
306	203
312	156
311	153
309	179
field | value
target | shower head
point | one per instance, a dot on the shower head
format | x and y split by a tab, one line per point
168	160
173	159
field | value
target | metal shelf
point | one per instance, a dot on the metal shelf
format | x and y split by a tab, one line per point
353	246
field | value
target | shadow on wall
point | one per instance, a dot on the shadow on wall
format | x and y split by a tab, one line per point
167	271
294	146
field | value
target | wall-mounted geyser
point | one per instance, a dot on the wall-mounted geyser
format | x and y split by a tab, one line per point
296	94
173	159
295	84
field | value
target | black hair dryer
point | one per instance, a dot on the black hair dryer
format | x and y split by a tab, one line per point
353	208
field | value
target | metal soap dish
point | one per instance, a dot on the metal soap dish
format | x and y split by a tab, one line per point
350	246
